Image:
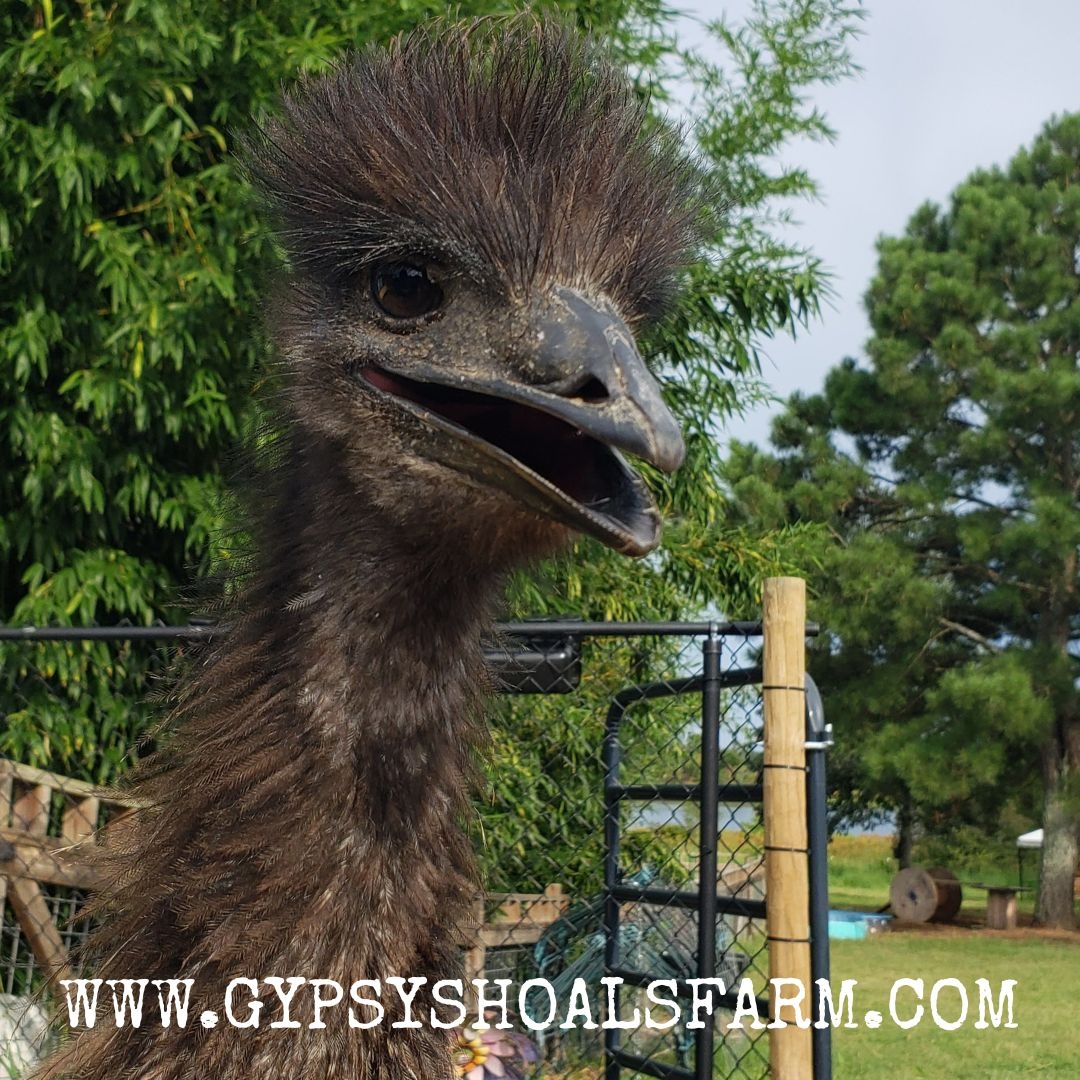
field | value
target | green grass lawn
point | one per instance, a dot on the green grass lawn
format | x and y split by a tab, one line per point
1046	967
1046	1040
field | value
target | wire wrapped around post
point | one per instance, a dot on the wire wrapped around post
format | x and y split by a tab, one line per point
786	843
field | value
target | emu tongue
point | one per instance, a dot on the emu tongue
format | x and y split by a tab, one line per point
550	452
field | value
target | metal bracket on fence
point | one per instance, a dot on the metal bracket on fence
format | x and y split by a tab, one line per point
821	744
536	660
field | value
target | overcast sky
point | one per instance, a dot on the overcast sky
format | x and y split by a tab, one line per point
947	86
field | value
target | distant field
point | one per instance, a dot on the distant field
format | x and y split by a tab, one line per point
861	868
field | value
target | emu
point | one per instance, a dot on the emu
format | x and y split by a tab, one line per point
477	221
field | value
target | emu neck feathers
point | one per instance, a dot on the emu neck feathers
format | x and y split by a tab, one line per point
352	718
304	818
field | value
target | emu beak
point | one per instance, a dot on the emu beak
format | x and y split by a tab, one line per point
595	379
549	427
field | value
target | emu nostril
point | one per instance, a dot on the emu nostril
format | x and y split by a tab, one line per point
592	390
585	388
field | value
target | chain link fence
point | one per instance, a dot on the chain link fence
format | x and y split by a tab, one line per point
588	869
596	834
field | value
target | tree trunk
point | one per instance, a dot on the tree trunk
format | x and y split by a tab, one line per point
1061	753
905	833
1061	839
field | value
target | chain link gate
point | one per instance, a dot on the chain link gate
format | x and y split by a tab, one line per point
715	955
729	936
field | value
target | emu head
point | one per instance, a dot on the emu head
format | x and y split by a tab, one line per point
477	220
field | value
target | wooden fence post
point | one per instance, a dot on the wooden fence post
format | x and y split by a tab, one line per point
787	880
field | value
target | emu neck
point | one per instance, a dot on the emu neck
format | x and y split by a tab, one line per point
323	760
374	704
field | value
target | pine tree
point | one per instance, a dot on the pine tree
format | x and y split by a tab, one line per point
959	448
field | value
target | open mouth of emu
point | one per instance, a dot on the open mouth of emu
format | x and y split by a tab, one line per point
577	472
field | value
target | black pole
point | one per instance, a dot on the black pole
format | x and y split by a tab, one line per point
707	841
818	738
188	632
528	628
611	755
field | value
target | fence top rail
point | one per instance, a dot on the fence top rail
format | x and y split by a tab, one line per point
30	775
538	628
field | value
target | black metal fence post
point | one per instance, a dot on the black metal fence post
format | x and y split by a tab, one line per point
707	840
610	755
818	740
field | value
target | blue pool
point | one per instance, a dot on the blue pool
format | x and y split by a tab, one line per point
855	925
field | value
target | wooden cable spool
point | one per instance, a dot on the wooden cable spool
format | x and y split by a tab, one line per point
918	895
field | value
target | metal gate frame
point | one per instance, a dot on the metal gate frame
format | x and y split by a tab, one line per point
709	793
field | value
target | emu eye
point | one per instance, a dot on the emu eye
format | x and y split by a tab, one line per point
404	290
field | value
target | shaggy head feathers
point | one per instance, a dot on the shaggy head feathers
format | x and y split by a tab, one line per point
508	150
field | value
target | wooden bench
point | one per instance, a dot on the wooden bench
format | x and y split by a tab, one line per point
1000	904
518	919
48	822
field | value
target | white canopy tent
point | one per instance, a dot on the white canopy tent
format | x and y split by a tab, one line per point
1025	842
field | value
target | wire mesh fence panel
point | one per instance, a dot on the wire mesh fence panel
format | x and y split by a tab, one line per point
666	925
70	702
540	833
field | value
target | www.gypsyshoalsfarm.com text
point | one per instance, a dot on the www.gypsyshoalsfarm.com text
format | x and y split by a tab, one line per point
948	1004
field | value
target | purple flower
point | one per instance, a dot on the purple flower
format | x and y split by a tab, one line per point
493	1054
